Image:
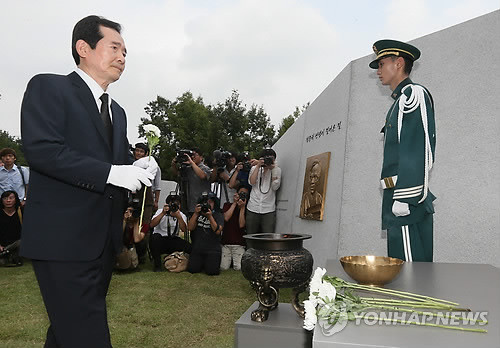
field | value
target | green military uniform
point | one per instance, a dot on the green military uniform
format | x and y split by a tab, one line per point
409	145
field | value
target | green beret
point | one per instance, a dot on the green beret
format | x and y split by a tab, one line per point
386	48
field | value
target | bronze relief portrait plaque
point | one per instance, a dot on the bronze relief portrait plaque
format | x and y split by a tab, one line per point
315	181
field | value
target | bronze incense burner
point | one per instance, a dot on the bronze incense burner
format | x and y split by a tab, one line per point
274	261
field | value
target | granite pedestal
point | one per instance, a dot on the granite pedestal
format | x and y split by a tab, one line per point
283	329
475	286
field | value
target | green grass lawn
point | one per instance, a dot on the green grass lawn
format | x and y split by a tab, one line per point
145	309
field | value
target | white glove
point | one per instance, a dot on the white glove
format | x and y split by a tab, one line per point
129	177
400	209
148	163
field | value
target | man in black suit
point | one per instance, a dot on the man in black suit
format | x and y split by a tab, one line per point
75	142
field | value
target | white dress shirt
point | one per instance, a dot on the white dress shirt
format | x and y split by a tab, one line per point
96	90
162	227
263	195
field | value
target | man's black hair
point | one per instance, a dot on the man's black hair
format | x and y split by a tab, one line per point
197	150
7	151
408	63
243	185
88	29
268	152
142	146
173	198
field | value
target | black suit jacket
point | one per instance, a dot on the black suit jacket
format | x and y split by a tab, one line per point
71	212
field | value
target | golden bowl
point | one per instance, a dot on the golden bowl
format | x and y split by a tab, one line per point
371	270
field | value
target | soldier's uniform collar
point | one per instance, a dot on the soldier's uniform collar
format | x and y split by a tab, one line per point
397	92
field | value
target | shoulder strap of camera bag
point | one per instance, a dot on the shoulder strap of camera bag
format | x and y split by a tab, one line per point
22	177
168	226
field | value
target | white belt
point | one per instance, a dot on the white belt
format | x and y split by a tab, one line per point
388	182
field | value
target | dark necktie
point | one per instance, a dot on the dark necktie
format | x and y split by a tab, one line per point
106	119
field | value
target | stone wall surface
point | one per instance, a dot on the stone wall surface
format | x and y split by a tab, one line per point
460	67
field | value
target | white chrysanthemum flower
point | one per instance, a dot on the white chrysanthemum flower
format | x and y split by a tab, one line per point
151	128
310	314
327	290
316	281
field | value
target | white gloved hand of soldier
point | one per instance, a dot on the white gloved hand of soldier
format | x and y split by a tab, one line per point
129	177
148	163
400	208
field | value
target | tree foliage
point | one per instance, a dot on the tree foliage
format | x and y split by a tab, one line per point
188	122
288	121
7	140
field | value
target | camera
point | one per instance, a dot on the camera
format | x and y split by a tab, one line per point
243	196
203	201
221	157
245	159
173	207
268	161
172	200
135	204
268	155
182	155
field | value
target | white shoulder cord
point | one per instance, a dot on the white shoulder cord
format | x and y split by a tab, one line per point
415	100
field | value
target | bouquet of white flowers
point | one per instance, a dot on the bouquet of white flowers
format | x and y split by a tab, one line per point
333	301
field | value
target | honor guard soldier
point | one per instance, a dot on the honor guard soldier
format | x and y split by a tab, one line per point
409	144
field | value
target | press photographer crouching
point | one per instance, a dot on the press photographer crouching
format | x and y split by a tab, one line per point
206	225
233	243
167	223
10	228
142	159
194	176
265	179
223	168
128	259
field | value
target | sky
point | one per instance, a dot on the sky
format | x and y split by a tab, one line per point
276	53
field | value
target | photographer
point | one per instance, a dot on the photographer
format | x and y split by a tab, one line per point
141	151
223	168
206	226
196	174
242	170
165	238
128	258
265	179
10	228
233	243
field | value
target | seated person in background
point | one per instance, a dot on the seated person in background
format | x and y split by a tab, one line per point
141	153
206	226
10	228
128	259
165	238
233	243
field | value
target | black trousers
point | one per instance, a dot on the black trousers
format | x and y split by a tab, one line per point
204	260
74	294
159	244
